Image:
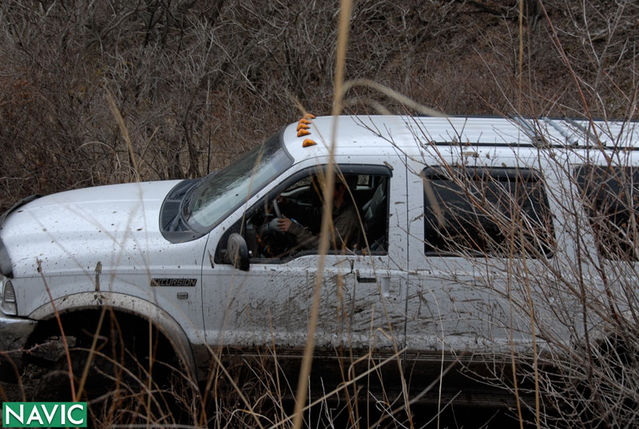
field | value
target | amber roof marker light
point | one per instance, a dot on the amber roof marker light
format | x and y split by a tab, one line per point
303	129
308	142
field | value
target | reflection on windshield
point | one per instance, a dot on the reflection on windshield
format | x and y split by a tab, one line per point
218	194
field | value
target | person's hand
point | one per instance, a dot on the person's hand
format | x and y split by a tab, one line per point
283	224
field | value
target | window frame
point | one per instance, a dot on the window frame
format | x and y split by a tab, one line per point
584	195
527	174
239	226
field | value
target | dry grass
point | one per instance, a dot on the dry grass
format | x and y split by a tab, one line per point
194	86
198	83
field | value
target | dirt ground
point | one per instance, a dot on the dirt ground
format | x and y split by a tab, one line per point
14	392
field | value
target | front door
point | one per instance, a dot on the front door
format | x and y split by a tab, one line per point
363	290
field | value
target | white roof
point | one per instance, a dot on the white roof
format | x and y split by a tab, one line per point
383	134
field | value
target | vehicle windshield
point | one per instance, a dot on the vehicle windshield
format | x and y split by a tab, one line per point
220	193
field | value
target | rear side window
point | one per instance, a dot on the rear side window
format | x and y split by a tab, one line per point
610	196
485	212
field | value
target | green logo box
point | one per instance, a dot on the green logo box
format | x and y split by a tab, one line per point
44	414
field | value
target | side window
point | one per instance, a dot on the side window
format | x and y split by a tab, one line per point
610	197
286	223
485	212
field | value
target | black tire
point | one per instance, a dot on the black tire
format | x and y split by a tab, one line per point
121	370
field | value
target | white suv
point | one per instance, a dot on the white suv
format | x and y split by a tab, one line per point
469	234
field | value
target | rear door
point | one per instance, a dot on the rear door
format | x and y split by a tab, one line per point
482	237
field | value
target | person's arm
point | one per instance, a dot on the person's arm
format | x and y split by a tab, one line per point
305	238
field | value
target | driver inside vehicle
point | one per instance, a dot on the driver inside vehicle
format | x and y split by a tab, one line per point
346	232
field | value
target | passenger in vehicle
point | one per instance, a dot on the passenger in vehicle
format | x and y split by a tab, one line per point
347	232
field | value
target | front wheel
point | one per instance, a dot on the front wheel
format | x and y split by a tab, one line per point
123	368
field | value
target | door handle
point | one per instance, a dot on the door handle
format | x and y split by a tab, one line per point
382	280
366	279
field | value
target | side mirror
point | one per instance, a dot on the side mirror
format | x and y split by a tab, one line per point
237	252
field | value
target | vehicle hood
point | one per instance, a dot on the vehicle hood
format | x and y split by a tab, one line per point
115	226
